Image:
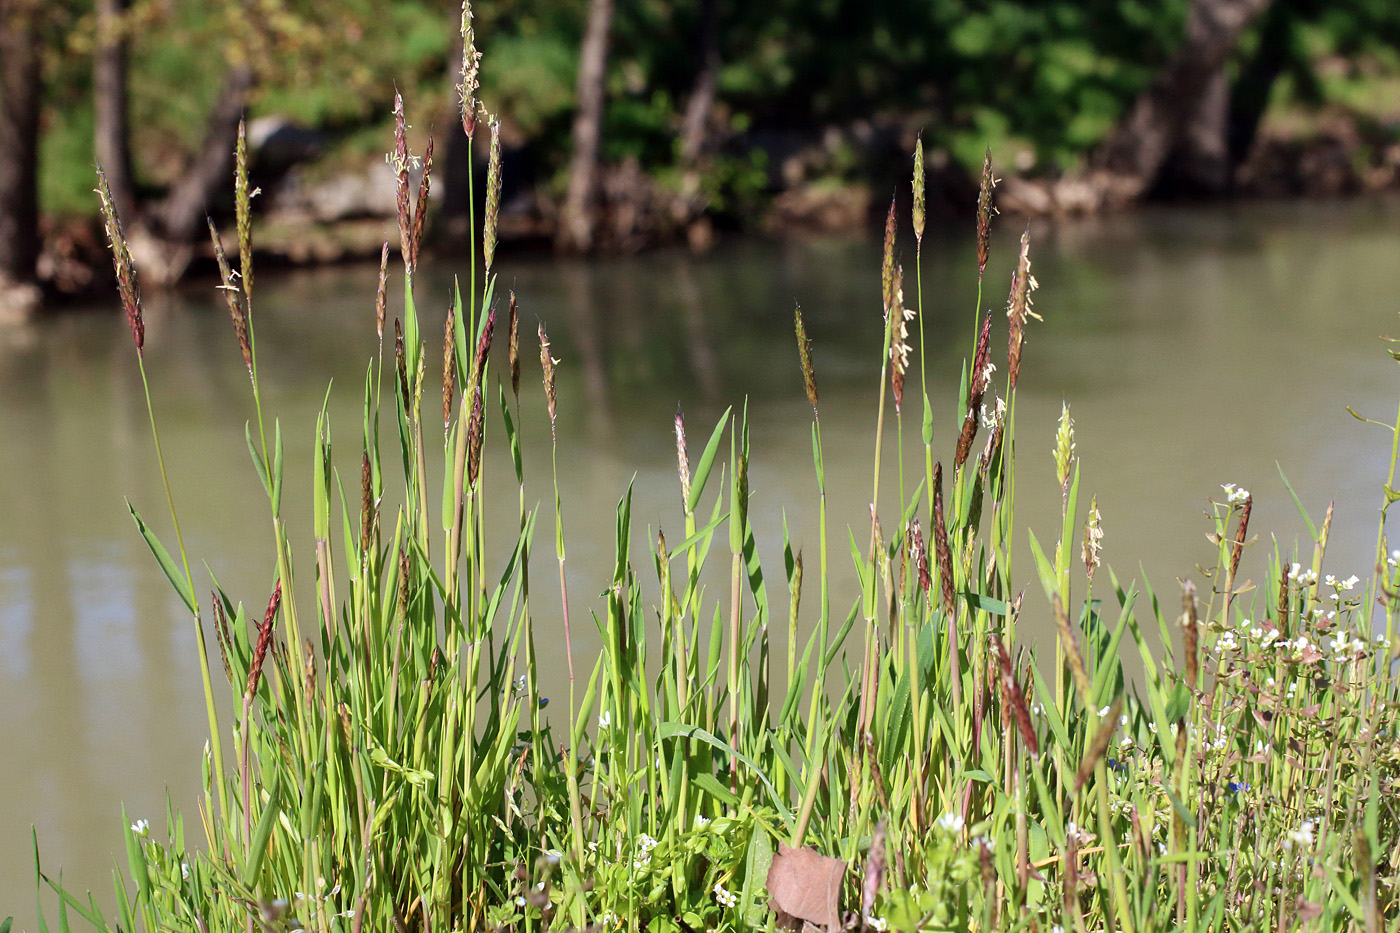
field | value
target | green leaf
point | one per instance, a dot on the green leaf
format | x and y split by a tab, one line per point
987	604
1312	529
927	426
1178	704
257	848
258	463
172	573
711	785
759	859
277	468
670	730
707	460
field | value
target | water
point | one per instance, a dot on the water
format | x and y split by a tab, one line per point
1194	347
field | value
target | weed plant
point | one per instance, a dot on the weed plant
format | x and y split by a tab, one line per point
386	763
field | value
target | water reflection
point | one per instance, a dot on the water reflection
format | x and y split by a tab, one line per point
1195	349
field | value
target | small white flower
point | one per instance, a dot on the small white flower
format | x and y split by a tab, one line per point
1349	583
877	924
141	828
519	901
1330	580
646	843
951	822
725	897
701	822
1104	712
184	869
553	856
1302	836
605	719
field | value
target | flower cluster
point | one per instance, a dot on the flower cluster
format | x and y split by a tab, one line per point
1235	493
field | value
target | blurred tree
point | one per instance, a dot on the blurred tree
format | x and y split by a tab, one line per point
579	214
702	95
1190	96
21	94
111	119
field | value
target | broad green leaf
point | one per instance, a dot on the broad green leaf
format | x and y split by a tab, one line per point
707	460
172	573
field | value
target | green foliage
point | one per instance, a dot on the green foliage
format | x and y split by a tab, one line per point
391	765
1040	82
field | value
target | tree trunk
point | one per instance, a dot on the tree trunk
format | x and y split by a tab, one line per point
180	215
21	89
1200	166
163	245
1255	85
1137	150
578	217
702	96
112	128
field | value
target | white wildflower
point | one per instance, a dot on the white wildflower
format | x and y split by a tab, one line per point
950	822
725	897
141	828
605	719
1302	836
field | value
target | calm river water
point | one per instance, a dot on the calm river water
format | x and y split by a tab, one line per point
1195	348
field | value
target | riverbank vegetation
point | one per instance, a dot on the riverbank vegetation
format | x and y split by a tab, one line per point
631	124
752	749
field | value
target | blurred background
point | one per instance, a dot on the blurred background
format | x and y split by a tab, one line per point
1210	188
630	123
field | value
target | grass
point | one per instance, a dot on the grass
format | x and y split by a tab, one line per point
893	758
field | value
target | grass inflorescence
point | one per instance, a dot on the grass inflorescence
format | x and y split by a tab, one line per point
913	767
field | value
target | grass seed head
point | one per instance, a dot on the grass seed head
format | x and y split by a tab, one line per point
221	632
1093	539
919	191
366	503
449	370
941	549
476	428
381	298
918	554
1012	694
420	210
493	196
899	337
1018	308
547	364
682	459
264	641
514	349
243	211
804	353
400	161
401	364
121	262
237	309
483	348
887	267
985	210
471	70
977	387
1064	449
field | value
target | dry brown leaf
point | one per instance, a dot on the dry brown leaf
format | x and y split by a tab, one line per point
804	885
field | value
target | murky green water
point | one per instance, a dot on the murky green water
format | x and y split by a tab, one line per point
1195	348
